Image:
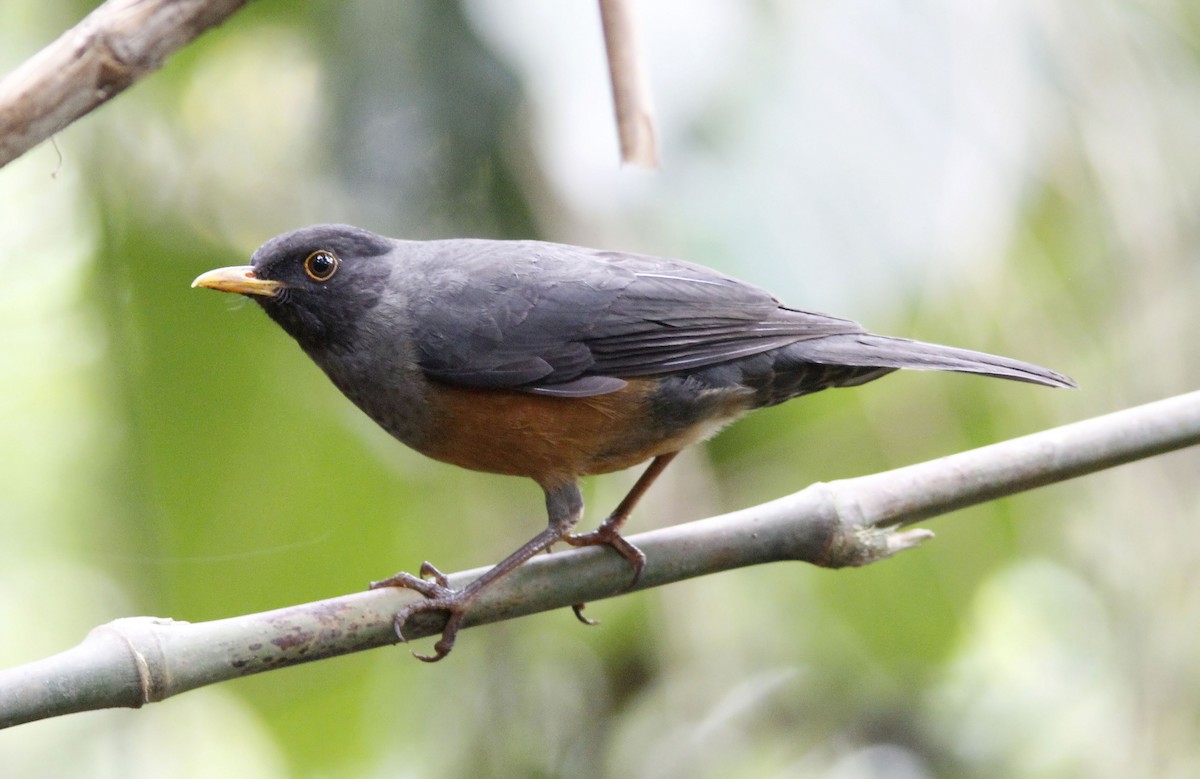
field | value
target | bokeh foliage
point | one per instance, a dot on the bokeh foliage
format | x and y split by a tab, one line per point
1018	177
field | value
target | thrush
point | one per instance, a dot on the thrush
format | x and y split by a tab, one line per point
555	362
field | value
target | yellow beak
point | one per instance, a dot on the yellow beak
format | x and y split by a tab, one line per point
239	279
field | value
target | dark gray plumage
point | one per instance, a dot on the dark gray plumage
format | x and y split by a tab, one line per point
555	362
560	319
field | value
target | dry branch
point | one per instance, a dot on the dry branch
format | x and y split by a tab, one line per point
110	50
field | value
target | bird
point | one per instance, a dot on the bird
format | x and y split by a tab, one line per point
555	362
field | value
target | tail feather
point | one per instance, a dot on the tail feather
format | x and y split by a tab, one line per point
880	351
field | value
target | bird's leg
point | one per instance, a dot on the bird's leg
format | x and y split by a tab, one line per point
564	505
609	534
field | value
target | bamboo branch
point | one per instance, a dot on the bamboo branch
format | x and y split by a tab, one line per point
110	50
139	660
630	85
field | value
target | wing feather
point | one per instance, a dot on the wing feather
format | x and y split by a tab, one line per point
547	317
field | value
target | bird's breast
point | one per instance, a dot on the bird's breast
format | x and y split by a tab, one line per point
558	439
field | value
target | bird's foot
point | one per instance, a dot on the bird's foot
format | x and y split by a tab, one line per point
433	584
607	535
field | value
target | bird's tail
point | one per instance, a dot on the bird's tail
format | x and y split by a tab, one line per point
884	352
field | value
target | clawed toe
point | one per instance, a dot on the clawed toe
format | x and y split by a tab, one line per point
608	536
433	584
454	603
578	609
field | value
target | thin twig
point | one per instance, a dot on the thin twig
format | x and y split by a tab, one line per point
110	50
630	86
140	660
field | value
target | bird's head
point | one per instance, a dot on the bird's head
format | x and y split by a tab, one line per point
317	282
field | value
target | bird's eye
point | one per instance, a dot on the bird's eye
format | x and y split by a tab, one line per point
321	265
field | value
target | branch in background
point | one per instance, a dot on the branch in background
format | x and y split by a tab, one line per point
111	49
630	85
141	660
123	40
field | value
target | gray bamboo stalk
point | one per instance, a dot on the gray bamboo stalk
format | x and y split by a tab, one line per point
851	522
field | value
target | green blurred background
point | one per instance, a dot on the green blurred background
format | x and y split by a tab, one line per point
1017	176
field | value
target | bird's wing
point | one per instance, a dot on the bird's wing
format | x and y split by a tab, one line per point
563	320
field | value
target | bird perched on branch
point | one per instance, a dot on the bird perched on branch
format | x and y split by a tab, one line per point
555	362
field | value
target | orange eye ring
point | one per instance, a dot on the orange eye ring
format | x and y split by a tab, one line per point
321	265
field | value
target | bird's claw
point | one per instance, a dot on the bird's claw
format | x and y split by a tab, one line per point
453	603
607	535
433	584
578	609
